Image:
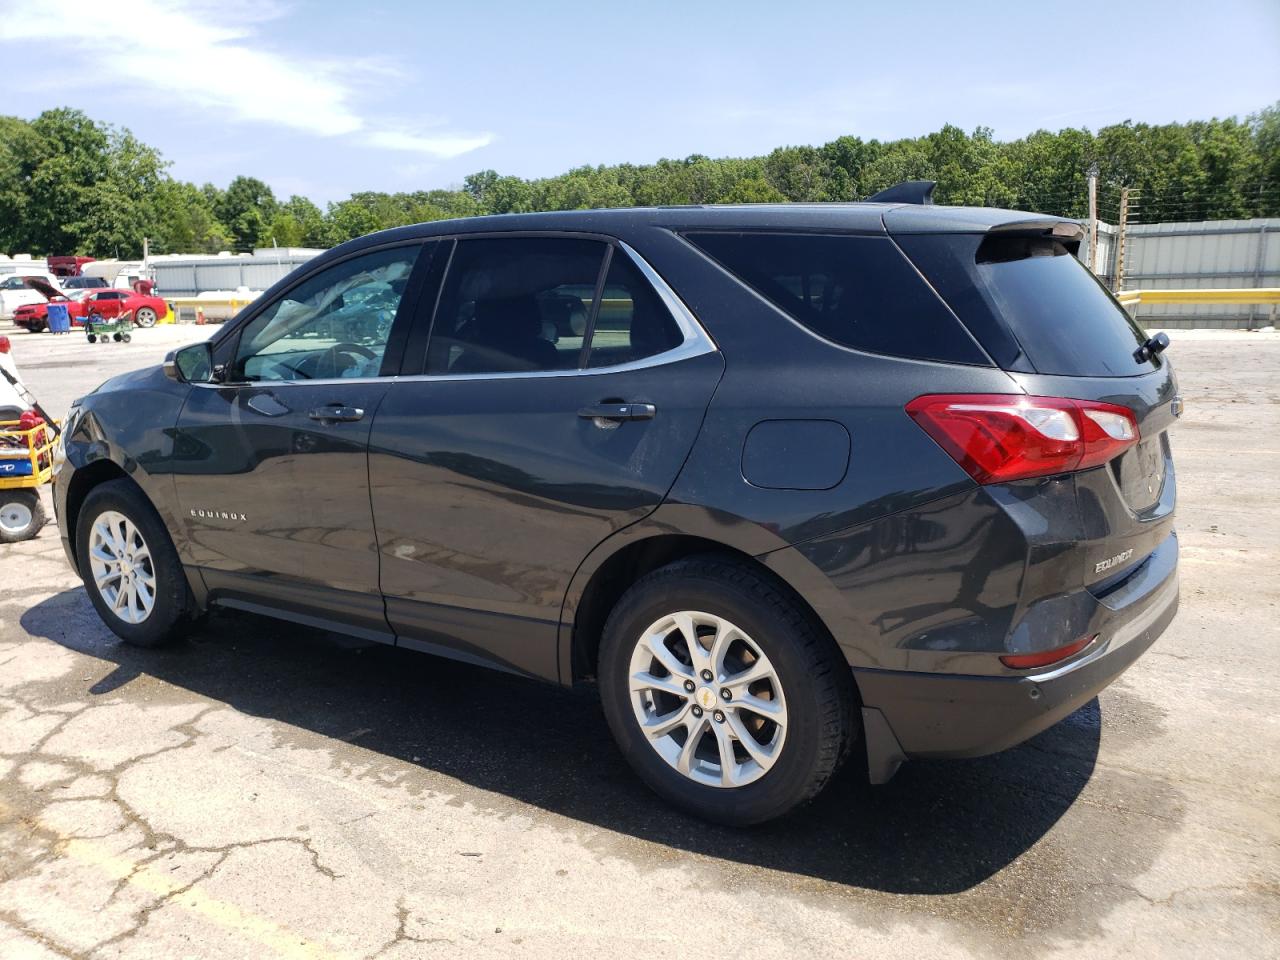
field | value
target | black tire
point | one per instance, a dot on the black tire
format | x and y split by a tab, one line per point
817	685
145	317
21	515
171	615
92	338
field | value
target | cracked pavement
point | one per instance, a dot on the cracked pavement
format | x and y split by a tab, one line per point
264	790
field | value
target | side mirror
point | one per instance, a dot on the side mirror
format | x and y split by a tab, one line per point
193	364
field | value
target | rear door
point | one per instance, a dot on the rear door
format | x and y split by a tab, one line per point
271	465
561	390
1048	321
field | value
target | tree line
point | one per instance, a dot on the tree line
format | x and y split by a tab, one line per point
69	184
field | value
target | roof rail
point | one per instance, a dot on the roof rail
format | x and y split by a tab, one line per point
908	191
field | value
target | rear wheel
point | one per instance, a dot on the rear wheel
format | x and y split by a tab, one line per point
130	567
21	515
145	317
722	693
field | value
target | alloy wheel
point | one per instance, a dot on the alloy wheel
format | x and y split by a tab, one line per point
707	699
122	568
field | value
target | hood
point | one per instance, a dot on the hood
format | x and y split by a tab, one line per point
44	288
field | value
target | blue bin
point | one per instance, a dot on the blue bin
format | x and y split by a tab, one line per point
59	318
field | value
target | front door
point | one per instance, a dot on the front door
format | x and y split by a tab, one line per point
272	463
560	396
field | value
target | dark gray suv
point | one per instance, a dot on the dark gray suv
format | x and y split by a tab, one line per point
787	481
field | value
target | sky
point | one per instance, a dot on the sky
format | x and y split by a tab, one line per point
325	98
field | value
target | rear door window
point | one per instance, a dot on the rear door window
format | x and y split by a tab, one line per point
631	323
1031	296
860	292
515	304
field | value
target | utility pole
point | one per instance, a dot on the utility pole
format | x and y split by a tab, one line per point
1117	282
1093	218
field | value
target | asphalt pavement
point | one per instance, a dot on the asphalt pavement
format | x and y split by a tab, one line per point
266	790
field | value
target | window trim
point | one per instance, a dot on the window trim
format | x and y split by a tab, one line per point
696	342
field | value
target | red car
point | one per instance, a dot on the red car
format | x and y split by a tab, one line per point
106	303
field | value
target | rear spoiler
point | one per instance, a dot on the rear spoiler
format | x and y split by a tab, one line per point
1066	232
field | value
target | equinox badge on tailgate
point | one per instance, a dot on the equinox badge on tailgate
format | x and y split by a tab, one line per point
1115	561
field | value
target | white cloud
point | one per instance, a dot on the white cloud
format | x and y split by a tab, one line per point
216	56
443	147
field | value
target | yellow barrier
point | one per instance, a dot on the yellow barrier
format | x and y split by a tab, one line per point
185	309
1220	295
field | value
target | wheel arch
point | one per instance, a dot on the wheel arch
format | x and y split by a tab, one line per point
595	591
83	480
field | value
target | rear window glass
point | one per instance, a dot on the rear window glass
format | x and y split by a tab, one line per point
1033	290
856	291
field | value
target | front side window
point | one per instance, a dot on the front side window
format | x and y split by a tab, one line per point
333	325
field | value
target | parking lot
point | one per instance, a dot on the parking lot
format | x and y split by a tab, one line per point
266	790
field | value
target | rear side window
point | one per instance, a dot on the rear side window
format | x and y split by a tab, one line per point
859	292
1031	296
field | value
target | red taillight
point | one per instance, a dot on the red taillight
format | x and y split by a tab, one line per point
1029	661
5	346
997	437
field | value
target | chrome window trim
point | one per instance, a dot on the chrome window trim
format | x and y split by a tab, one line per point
696	343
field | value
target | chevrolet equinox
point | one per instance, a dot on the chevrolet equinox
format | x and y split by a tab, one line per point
788	481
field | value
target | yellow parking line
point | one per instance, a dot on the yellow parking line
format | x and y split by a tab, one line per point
281	940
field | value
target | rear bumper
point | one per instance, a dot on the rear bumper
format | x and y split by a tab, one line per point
941	715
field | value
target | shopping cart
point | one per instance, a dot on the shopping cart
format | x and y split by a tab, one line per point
99	330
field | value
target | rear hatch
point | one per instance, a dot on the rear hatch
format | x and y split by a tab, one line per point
1044	318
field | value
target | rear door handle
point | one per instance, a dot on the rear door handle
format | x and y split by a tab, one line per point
336	413
618	411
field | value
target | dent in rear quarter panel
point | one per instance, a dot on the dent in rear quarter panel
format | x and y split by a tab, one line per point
129	420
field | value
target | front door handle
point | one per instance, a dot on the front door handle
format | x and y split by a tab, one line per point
617	412
336	413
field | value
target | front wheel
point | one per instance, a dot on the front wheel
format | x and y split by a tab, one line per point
130	567
21	515
145	317
722	693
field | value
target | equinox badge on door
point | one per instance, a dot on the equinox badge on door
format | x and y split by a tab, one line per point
217	515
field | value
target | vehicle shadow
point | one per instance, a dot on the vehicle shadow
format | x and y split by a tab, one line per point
936	828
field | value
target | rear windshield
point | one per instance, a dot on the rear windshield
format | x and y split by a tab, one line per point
1032	304
860	292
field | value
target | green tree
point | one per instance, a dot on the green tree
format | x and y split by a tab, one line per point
247	207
